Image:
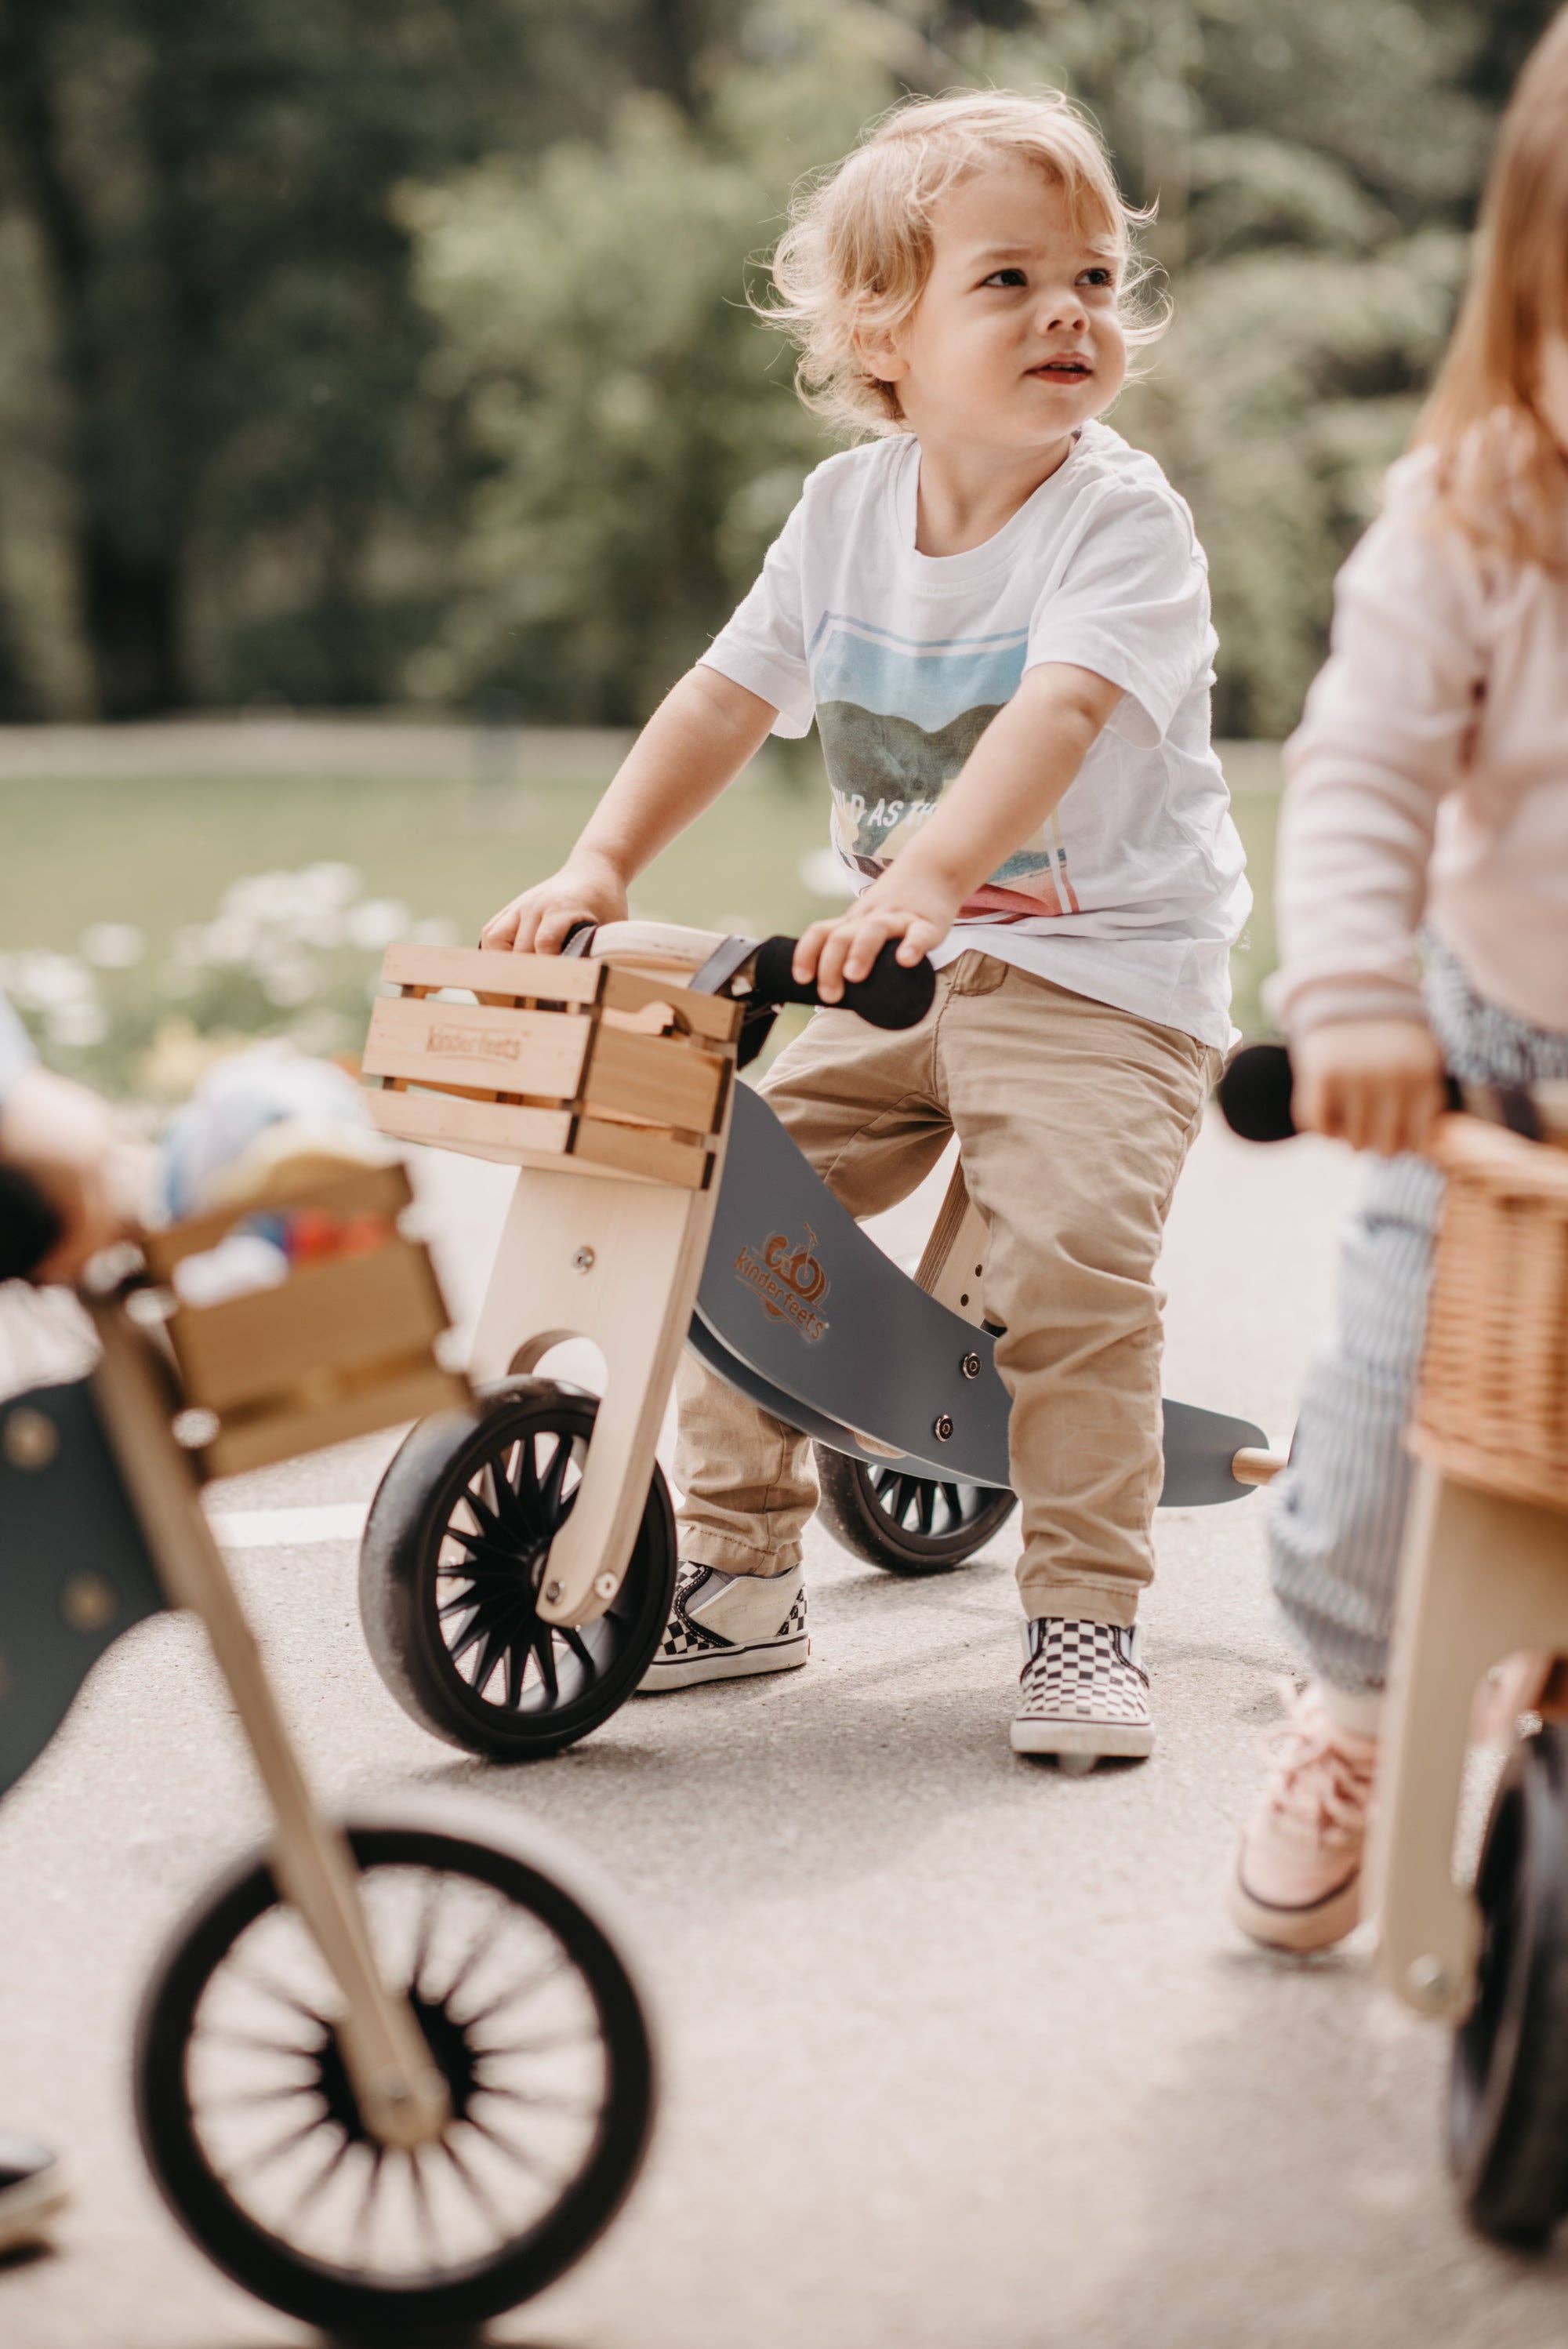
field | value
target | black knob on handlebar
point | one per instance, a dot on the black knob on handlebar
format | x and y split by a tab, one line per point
30	1228
1254	1093
895	995
1255	1090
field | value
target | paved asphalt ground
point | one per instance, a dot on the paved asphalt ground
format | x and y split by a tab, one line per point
959	2054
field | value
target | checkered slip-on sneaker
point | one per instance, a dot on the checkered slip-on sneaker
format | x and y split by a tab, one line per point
725	1627
1082	1693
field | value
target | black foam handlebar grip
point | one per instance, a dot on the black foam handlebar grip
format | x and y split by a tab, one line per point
30	1229
1255	1090
896	994
1254	1093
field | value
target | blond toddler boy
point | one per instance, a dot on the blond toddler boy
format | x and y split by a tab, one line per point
996	612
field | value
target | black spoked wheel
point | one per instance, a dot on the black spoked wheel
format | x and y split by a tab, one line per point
1508	2104
250	2122
909	1524
456	1551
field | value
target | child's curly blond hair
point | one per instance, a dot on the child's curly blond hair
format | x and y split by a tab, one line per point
856	252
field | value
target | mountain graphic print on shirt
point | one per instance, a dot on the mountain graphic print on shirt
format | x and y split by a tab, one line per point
887	768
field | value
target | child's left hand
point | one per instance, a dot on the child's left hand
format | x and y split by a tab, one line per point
913	908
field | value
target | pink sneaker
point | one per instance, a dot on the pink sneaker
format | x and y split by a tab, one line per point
1298	1874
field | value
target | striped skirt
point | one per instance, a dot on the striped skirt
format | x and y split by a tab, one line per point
1336	1515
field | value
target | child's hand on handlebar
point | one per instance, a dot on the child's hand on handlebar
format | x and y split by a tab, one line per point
915	909
1376	1085
586	889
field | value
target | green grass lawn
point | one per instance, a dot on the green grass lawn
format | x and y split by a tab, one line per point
158	854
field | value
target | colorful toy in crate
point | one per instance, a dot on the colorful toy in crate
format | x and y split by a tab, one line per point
1484	1578
392	2073
517	1575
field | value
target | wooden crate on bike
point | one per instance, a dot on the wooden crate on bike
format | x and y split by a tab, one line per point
534	1059
345	1344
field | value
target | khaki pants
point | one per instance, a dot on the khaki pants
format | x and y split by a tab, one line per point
1073	1119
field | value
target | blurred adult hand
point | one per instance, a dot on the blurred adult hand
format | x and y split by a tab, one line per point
76	1151
587	888
1376	1085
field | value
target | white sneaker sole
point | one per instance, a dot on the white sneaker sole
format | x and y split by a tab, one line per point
1299	1931
726	1664
1084	1742
27	2210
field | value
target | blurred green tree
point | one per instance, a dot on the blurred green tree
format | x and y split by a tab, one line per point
233	344
357	347
1315	174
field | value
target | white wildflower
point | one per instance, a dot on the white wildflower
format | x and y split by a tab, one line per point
321	927
113	946
328	885
376	922
288	984
76	1027
231	941
261	898
40	980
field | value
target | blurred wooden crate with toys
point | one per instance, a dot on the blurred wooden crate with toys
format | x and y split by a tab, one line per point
300	1317
541	1059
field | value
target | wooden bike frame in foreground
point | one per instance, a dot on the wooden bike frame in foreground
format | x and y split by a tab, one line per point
338	1349
1485	1569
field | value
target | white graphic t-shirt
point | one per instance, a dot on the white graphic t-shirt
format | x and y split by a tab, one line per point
1134	890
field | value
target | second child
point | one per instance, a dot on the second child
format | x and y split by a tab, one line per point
1427	788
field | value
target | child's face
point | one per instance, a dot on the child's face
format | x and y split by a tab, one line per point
1015	340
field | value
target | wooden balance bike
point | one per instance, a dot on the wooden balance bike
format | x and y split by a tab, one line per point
1484	1576
392	2074
517	1574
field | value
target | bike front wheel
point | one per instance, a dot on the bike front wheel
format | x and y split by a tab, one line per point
1508	2101
456	1551
249	2122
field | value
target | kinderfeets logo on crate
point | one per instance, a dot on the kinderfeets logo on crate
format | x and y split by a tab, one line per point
472	1040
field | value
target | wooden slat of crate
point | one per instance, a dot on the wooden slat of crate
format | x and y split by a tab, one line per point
367	1191
704	1015
648	1151
660	1078
410	1393
554	978
320	1321
492	1050
482	1128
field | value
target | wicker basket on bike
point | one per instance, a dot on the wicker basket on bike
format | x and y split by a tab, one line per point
1492	1410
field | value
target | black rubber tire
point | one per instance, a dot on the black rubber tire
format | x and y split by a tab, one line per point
1507	2096
399	1571
856	1516
334	2297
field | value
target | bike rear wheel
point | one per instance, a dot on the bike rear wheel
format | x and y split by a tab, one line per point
906	1524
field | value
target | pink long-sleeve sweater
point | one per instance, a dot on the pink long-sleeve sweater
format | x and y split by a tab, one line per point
1428	780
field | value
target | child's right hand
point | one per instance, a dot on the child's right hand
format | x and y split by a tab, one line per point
586	889
1376	1085
94	1174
